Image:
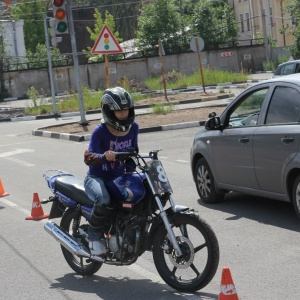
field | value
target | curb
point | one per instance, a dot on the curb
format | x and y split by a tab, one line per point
96	111
83	138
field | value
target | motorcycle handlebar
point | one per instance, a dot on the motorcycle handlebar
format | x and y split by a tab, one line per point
133	153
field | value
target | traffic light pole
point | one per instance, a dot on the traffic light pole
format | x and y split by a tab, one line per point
76	64
50	66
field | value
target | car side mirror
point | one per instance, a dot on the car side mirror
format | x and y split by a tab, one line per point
213	123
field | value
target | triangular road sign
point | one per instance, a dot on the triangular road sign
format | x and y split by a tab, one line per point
106	43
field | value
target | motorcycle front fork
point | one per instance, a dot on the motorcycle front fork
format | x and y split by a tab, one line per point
165	219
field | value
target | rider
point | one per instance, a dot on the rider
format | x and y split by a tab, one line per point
117	132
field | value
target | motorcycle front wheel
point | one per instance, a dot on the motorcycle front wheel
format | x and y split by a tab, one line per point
199	262
81	265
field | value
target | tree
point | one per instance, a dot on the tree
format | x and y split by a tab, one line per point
125	13
32	12
159	20
94	33
215	23
294	10
3	91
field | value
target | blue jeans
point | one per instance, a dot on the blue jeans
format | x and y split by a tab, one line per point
96	190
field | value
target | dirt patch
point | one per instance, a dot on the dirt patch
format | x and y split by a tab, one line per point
153	120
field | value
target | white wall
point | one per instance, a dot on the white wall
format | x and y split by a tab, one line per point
12	32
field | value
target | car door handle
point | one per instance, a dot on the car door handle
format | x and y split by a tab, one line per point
244	140
287	140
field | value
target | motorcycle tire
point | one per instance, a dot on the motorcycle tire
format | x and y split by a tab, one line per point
200	248
81	265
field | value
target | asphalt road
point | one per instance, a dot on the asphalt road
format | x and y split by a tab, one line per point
259	238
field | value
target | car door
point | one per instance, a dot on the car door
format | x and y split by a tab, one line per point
232	147
276	142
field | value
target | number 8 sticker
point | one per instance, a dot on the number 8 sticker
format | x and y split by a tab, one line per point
161	174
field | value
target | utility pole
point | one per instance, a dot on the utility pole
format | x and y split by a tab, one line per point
263	21
50	66
76	63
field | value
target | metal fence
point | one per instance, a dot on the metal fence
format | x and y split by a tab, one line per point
8	64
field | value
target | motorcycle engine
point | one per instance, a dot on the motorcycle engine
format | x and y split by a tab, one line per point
116	243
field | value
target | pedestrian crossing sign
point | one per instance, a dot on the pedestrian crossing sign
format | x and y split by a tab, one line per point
106	43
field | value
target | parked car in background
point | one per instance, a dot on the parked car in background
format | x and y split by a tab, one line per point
253	147
287	68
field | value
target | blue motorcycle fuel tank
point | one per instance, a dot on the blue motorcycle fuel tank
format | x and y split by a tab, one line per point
127	188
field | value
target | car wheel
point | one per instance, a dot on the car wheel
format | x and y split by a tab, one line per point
205	183
296	196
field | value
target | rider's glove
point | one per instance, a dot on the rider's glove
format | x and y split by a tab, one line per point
91	159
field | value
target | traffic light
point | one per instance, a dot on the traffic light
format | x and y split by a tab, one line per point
60	16
54	39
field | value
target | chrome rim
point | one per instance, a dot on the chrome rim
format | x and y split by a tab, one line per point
203	181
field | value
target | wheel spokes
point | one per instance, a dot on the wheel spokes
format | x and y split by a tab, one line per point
198	248
195	270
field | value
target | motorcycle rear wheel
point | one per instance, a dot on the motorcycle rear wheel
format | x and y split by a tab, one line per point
81	265
200	250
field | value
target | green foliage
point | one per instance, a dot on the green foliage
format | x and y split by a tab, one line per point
293	8
211	76
215	23
162	109
259	38
70	102
272	65
32	12
159	20
94	33
38	58
40	105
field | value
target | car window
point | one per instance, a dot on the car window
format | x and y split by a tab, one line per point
284	106
287	69
297	70
247	112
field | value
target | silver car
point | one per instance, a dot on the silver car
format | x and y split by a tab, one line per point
253	147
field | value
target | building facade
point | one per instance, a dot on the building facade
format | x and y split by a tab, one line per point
259	17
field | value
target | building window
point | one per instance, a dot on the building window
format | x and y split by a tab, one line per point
242	22
247	22
271	16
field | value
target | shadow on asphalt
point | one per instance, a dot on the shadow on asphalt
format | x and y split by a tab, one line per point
263	210
112	288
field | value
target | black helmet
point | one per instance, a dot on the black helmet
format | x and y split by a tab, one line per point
113	99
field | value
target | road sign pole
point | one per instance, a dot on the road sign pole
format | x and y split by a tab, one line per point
76	63
50	66
160	47
106	71
200	64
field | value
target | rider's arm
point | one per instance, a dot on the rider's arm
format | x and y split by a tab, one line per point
92	159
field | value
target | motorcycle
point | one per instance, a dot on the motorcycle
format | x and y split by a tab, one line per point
144	218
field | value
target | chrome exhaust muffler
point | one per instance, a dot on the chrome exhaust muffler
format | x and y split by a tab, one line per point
67	241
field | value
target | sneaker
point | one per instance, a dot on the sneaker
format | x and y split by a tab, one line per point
97	242
98	248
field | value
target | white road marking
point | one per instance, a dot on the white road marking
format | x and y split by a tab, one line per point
181	160
7	155
22	162
16	151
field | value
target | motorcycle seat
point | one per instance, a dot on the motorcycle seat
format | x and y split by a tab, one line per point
73	188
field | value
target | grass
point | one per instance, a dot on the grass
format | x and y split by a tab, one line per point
162	109
174	80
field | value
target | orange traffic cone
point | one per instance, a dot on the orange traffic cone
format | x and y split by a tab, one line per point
2	193
228	291
37	212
